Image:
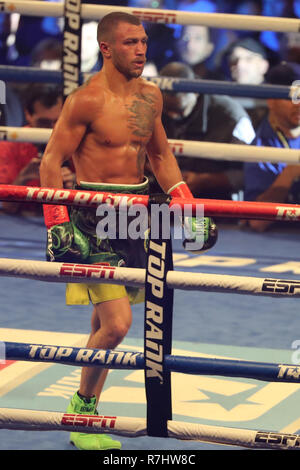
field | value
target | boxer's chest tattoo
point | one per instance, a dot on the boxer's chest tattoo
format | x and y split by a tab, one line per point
141	115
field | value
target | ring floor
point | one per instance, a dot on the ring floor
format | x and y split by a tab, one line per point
204	323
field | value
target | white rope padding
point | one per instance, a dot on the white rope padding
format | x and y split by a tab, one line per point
215	20
234	152
32	420
25	134
135	277
188	148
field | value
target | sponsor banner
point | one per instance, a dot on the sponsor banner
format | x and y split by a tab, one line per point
86	198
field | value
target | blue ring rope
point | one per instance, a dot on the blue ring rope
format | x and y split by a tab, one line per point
37	75
114	359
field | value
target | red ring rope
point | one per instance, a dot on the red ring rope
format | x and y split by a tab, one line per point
212	207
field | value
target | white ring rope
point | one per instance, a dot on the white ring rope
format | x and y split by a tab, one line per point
25	134
215	20
135	427
135	277
234	152
188	148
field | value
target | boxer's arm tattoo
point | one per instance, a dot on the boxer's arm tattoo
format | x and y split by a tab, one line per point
141	114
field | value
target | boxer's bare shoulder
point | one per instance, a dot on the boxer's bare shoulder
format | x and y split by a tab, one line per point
86	101
151	90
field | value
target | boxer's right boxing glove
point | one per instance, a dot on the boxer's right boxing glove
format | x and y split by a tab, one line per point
64	241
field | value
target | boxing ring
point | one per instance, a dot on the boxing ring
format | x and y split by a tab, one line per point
68	272
275	288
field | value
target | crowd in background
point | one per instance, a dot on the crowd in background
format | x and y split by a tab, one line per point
243	57
29	40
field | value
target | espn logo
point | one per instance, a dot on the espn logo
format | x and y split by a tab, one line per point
155	17
69	419
87	271
281	440
280	286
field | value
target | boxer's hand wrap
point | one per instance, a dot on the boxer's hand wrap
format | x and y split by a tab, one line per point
64	241
201	232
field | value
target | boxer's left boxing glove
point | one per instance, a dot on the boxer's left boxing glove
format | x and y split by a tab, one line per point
64	241
201	233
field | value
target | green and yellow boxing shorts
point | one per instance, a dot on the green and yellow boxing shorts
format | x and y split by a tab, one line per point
115	252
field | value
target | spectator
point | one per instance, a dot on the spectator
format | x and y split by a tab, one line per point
291	47
47	54
11	112
5	29
276	182
247	60
197	45
161	45
195	48
29	31
90	60
247	63
191	116
20	161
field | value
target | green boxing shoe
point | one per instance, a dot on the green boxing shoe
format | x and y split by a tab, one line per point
83	441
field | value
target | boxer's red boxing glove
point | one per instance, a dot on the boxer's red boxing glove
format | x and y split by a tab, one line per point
64	241
55	215
201	232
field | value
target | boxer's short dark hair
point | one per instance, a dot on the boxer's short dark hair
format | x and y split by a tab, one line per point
108	23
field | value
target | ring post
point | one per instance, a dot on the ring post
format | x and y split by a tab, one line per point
158	328
71	62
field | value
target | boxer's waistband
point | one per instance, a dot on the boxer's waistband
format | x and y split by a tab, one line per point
140	188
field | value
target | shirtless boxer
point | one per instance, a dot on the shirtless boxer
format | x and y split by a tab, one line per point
107	126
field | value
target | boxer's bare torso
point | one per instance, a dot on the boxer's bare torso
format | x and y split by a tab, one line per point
113	148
